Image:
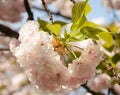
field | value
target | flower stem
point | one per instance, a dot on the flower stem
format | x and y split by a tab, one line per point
71	52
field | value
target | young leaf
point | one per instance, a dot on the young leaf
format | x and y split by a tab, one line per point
79	12
77	25
60	22
79	9
54	28
113	27
66	35
88	24
43	24
90	32
108	39
116	58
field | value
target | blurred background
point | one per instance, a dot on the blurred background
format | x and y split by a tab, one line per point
13	15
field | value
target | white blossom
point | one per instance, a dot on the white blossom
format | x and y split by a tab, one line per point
99	83
43	65
84	67
116	88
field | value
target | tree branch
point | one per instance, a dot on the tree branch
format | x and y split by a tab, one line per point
112	69
72	1
28	10
4	49
57	13
89	90
47	10
113	92
8	32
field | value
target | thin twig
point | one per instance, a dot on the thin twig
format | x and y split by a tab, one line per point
109	91
47	10
111	68
4	49
8	32
28	10
72	1
55	13
93	93
2	35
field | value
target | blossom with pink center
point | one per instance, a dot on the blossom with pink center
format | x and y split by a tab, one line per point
43	65
99	83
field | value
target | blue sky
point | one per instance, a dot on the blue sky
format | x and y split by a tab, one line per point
98	10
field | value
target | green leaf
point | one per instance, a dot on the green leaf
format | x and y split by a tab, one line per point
60	22
43	24
66	35
116	58
104	68
54	28
110	60
113	27
71	39
90	32
78	35
88	24
108	39
117	37
79	12
79	9
77	25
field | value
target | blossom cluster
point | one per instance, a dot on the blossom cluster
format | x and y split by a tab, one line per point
100	82
44	67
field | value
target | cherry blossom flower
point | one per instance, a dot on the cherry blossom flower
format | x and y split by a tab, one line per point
10	10
18	80
65	6
118	65
43	65
99	83
116	88
66	9
116	3
86	64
